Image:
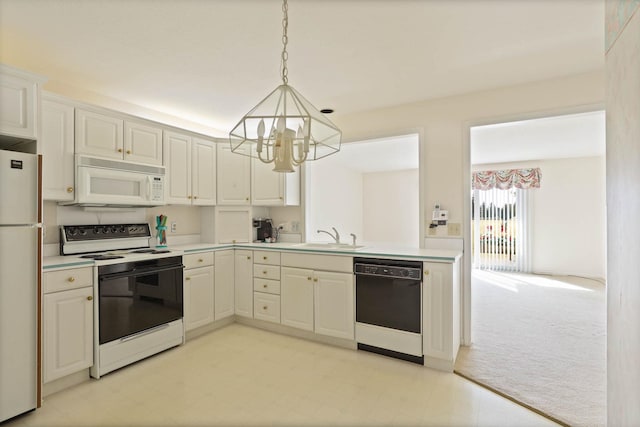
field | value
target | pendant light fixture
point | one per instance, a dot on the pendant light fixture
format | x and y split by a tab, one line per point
284	128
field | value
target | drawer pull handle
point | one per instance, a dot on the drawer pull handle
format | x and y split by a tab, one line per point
264	272
71	279
69	189
89	298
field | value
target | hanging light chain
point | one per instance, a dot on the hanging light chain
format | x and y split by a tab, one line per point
285	40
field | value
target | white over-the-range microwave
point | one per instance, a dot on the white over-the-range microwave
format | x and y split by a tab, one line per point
103	182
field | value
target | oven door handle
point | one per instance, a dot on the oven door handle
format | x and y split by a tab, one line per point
138	272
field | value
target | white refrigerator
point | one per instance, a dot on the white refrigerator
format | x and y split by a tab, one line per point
19	278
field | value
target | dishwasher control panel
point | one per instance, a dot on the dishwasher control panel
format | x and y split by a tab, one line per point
388	271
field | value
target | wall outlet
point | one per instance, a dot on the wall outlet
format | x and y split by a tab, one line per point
453	229
174	227
295	227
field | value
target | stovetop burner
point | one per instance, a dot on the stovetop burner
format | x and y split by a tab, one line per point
99	257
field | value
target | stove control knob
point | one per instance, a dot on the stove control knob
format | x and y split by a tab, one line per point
83	232
114	229
72	231
122	229
96	230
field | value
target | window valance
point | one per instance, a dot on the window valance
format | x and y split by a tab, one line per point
507	178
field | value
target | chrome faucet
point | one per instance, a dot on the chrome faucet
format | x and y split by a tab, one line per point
353	236
336	237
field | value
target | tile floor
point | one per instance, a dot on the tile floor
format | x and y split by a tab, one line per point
240	375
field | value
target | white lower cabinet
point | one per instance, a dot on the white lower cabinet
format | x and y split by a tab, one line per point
67	322
441	311
296	295
334	304
198	289
224	284
266	307
318	301
243	283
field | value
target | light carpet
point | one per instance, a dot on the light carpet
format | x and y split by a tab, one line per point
540	340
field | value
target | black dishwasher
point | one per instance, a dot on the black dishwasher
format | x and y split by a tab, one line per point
389	307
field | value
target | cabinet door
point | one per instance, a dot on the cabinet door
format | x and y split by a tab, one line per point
142	143
18	100
334	304
267	186
198	297
234	173
57	151
296	298
243	283
233	225
440	314
203	172
177	161
99	135
224	284
68	332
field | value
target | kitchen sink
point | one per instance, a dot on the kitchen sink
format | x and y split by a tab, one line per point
343	246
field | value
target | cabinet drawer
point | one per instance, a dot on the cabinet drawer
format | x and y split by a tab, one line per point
318	262
63	280
266	271
267	286
266	307
267	257
201	259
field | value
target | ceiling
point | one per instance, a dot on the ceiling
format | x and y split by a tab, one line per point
566	136
210	61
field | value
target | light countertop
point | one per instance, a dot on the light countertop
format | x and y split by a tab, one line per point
432	255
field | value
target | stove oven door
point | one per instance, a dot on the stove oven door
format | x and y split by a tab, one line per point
139	299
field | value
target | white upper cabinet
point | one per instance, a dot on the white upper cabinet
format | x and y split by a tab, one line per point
19	92
269	188
104	136
233	224
234	177
56	145
190	169
203	172
142	143
99	135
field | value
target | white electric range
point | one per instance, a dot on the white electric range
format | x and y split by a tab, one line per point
138	308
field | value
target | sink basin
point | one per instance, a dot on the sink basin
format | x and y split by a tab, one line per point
343	246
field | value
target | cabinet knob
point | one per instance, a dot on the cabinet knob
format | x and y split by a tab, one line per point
195	197
264	257
128	151
69	189
71	279
281	197
264	272
189	197
234	240
187	278
426	272
248	256
264	307
247	199
264	286
315	279
89	298
308	278
200	260
119	150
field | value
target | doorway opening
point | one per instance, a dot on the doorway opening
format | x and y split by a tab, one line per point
538	279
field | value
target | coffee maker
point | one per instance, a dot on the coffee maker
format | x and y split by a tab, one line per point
263	230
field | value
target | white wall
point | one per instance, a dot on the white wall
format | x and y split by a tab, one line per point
569	228
623	212
391	206
336	200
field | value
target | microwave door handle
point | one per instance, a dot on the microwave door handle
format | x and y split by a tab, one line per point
148	195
